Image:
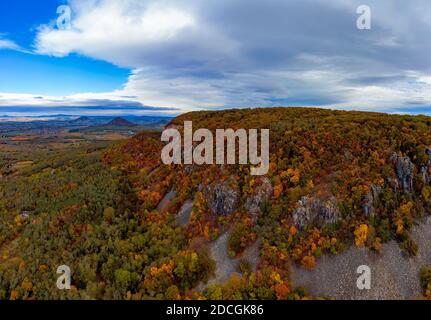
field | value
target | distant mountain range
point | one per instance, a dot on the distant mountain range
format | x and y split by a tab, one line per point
84	120
15	125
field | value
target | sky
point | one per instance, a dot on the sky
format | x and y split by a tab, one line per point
170	56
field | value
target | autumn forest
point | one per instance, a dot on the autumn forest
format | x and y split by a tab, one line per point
130	227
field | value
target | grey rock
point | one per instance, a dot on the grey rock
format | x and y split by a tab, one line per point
261	193
222	199
314	211
370	200
426	168
404	169
425	174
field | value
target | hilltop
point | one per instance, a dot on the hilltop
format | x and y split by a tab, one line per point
121	122
80	120
336	179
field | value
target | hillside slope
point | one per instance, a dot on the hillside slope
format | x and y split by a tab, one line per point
336	179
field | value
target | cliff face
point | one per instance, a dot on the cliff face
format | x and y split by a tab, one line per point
261	194
425	169
313	211
370	200
222	198
404	171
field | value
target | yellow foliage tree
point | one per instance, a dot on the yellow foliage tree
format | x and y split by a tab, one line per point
361	235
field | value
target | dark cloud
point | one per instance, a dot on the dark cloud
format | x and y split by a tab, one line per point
90	105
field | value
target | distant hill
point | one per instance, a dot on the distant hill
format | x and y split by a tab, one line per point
81	121
121	122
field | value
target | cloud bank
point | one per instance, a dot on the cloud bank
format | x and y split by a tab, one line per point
193	54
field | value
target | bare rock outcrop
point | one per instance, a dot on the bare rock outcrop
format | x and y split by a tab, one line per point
425	173
404	169
261	193
426	168
222	198
370	200
314	211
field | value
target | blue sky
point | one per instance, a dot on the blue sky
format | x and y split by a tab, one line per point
30	73
24	73
166	56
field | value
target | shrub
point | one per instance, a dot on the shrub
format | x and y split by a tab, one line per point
244	266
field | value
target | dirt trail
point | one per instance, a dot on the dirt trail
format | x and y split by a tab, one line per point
225	265
164	203
183	216
394	275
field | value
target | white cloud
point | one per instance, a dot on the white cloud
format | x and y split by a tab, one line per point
216	53
107	29
7	44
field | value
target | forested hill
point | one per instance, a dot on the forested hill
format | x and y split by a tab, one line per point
336	179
